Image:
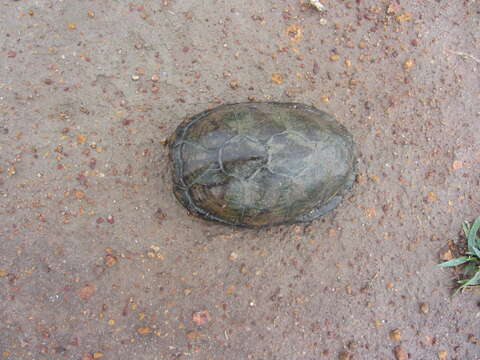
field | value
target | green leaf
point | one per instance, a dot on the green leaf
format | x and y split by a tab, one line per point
466	228
477	237
470	269
472	237
457	261
474	280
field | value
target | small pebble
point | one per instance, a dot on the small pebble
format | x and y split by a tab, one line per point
144	331
109	260
408	64
400	353
325	99
243	269
277	79
396	334
473	339
345	356
403	17
442	355
201	317
447	255
424	308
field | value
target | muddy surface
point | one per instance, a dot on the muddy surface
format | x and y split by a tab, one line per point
99	261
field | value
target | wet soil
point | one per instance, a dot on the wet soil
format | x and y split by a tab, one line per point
98	260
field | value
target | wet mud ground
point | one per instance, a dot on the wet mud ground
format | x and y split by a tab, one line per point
99	261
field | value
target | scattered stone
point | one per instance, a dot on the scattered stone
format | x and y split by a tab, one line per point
12	54
233	256
97	355
144	331
234	84
201	317
109	260
473	339
295	33
457	165
432	196
72	26
370	212
90	14
403	17
400	353
86	292
345	356
393	8
81	139
277	79
429	340
334	58
352	345
424	308
396	334
408	64
192	335
318	5
230	290
360	179
447	255
378	323
79	194
243	269
442	355
325	99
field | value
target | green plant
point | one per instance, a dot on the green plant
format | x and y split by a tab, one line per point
471	259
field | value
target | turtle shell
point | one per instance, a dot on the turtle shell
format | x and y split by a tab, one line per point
261	164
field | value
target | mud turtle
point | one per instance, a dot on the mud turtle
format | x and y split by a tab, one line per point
261	164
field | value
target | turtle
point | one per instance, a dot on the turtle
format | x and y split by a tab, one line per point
259	164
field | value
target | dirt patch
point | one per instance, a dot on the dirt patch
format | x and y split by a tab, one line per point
98	260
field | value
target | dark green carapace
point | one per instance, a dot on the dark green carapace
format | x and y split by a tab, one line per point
261	164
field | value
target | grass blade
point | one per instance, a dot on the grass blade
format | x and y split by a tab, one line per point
470	269
472	237
475	280
466	228
457	261
477	237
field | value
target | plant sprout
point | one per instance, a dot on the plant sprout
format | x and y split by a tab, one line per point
471	259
